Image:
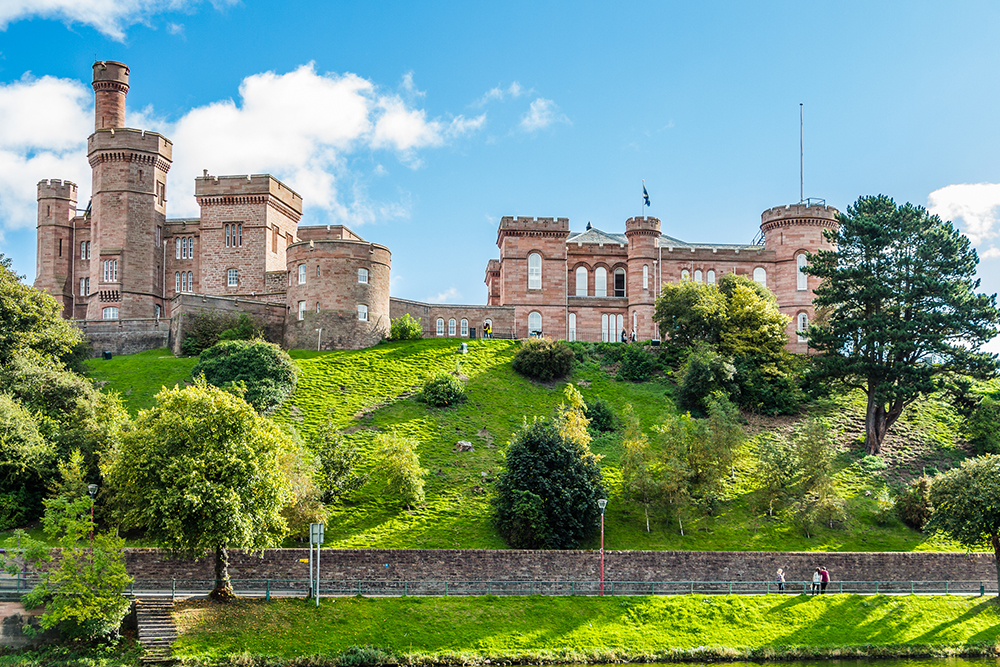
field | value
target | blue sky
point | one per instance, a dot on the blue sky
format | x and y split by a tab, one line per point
420	124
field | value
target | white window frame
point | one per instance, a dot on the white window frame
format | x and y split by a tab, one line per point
363	276
614	282
190	281
83	286
645	276
801	326
302	310
760	275
83	250
362	312
439	327
534	323
184	281
711	277
239	229
697	275
232	277
571	334
534	271
464	328
302	274
451	327
582	277
600	281
109	313
177	248
801	279
685	275
88	249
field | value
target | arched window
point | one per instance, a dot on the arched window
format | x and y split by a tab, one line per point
489	322
83	250
228	237
156	310
184	248
464	331
239	237
440	327
572	327
110	313
760	275
317	306
534	323
619	282
534	271
451	326
302	274
581	281
697	275
362	312
606	327
620	321
363	276
191	281
177	248
177	281
711	277
184	281
801	279
802	326
645	276
600	281
685	275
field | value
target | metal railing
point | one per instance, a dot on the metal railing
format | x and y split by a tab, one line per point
390	588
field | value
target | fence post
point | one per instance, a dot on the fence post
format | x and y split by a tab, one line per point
359	587
446	589
267	595
173	589
405	586
876	588
730	588
946	588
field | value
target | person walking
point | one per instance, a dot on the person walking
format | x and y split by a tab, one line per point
824	577
817	579
780	578
624	336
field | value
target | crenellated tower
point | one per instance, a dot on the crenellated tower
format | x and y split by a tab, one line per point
56	240
128	207
642	234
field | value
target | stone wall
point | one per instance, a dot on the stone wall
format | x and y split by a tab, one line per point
125	336
501	317
183	306
517	565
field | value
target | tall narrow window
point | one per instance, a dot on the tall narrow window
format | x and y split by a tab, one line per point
619	282
159	231
645	276
685	275
571	334
581	281
362	312
156	310
439	327
711	276
464	331
86	286
233	278
83	286
302	310
177	281
184	248
184	281
697	275
83	250
60	247
534	323
600	281
363	276
317	270
88	249
239	231
451	327
534	271
606	327
190	281
228	241
760	275
802	327
801	279
177	248
302	274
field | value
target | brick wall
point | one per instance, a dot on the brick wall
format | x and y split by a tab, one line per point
502	317
125	336
183	306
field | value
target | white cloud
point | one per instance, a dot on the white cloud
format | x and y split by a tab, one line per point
175	28
514	90
989	253
974	207
541	114
447	296
110	17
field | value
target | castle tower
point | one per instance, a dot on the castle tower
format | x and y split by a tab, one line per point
642	234
55	256
128	207
533	274
791	232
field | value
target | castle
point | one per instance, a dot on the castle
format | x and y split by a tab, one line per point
130	276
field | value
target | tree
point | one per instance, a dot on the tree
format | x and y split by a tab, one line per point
898	307
200	471
966	504
688	312
264	369
640	479
543	359
406	328
399	467
546	497
338	463
25	461
30	319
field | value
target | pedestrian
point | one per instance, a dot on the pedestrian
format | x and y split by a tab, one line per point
817	578
624	336
633	335
824	576
781	580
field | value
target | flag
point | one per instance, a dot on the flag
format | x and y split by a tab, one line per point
645	195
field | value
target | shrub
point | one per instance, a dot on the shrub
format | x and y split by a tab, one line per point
601	415
704	373
399	467
406	328
264	370
245	328
443	390
768	388
543	359
205	329
982	428
914	504
637	364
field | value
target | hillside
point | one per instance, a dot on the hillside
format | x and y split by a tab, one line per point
369	390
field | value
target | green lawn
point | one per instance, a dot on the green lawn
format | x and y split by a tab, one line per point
471	629
138	377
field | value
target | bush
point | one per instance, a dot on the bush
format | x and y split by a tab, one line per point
547	496
265	371
543	359
914	505
601	415
245	328
443	390
205	329
982	428
637	364
406	328
705	373
399	467
768	388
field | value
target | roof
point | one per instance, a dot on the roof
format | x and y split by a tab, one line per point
595	235
598	237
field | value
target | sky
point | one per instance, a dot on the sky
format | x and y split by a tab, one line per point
420	124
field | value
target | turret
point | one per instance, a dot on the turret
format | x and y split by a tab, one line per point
54	265
110	88
642	234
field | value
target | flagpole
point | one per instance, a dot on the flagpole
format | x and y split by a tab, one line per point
642	201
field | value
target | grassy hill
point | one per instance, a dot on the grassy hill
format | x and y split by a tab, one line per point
370	390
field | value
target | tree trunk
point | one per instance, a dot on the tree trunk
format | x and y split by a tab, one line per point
995	540
647	518
223	591
878	420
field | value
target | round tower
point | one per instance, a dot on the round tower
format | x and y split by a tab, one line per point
56	241
110	88
793	232
642	234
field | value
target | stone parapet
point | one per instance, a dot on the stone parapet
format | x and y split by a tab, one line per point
208	187
127	139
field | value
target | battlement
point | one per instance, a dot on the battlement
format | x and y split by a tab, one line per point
247	184
124	138
791	212
644	224
111	71
56	189
326	233
512	223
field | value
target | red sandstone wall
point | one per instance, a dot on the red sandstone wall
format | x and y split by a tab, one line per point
517	238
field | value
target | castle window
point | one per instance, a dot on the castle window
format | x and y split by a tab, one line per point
362	312
801	279
184	282
581	281
177	281
645	276
177	248
184	248
711	276
60	247
451	327
83	250
232	278
534	323
88	249
302	274
190	281
83	286
110	273
760	275
571	335
619	282
685	275
802	322
109	313
229	242
534	271
302	310
465	328
317	306
697	275
439	330
156	310
239	233
86	286
159	232
600	281
317	270
363	276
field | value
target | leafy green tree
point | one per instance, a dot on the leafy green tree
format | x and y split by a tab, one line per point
703	374
689	312
542	359
31	319
898	308
546	497
815	452
914	505
406	328
777	466
966	504
264	369
640	479
25	461
202	471
982	428
339	463
399	467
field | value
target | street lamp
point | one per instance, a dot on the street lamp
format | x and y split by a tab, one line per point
319	337
92	490
602	503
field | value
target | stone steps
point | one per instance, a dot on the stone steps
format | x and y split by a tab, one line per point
157	631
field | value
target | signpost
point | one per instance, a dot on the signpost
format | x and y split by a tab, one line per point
315	537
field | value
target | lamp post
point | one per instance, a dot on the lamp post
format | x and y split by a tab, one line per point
92	490
602	503
319	337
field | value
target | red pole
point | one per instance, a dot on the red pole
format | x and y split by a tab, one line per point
602	552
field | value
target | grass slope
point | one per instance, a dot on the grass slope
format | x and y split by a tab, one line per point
473	629
371	390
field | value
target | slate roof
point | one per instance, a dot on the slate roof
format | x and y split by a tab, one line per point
595	235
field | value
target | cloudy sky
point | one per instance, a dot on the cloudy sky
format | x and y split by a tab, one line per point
420	124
